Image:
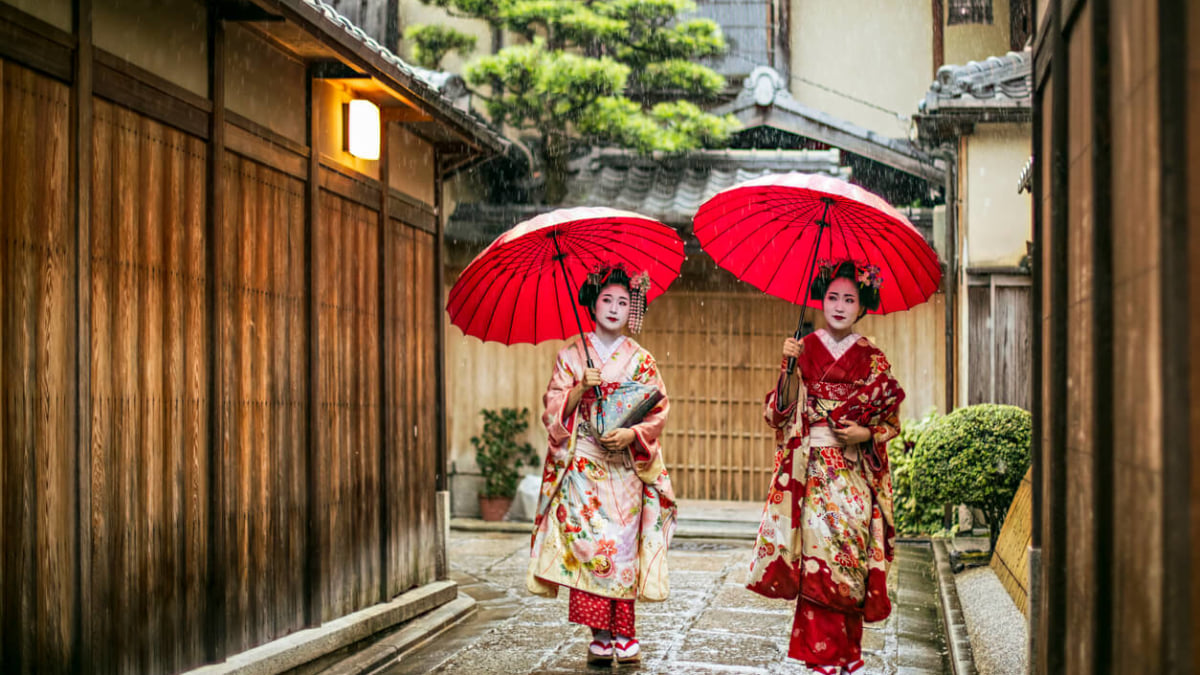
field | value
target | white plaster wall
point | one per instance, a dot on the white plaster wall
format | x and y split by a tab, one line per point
879	51
411	164
54	12
263	83
998	221
166	37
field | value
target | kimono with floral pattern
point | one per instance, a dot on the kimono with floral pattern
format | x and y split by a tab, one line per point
827	533
602	527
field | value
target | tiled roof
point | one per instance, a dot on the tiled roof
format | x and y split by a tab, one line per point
998	82
765	101
669	189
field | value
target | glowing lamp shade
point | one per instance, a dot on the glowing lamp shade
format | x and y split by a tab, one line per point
362	129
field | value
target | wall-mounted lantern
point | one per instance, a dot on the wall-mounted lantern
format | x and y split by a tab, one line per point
361	124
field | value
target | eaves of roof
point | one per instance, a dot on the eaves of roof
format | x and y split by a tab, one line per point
352	44
766	101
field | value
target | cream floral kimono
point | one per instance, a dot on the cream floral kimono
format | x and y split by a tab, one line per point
602	527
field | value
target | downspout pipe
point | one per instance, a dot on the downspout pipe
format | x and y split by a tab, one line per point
949	153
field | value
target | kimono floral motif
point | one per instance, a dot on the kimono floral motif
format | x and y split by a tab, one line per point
827	540
646	371
612	523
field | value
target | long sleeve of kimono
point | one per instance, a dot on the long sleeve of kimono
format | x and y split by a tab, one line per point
556	418
776	418
646	448
888	426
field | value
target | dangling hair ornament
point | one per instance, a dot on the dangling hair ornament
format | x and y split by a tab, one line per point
639	286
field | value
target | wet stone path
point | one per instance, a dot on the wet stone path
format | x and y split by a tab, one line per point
710	624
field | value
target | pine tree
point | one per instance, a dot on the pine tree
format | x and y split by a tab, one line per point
607	72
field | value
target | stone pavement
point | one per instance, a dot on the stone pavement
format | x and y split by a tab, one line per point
710	624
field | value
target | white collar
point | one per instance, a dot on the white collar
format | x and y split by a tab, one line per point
837	348
603	351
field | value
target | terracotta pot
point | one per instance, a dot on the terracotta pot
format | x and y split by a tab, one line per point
494	508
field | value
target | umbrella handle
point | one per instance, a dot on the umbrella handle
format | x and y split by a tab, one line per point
798	335
587	354
821	225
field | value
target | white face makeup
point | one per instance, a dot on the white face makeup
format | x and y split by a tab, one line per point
841	306
612	308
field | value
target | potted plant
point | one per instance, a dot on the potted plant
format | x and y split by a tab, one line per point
499	452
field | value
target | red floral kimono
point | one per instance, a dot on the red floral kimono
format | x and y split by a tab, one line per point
827	533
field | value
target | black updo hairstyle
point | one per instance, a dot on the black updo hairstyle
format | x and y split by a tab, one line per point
589	292
868	296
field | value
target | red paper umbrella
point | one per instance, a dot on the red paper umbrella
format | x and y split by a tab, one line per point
769	232
522	288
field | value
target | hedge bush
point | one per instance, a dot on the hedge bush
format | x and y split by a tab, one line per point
912	515
975	456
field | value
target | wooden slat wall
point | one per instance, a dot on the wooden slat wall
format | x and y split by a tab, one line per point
150	367
263	278
412	489
403	483
347	286
37	306
1013	349
719	354
1011	560
979	344
422	522
999	334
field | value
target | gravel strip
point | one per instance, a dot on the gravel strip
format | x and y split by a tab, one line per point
997	627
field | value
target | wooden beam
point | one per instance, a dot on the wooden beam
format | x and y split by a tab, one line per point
439	347
314	570
81	178
404	114
335	70
1104	521
840	138
386	395
1178	614
246	12
216	629
939	35
1056	581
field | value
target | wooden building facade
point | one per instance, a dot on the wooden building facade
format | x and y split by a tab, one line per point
220	381
1116	472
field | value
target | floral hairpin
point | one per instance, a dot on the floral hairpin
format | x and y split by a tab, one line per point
865	275
639	286
868	276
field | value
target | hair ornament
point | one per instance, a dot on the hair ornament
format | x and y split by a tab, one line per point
639	286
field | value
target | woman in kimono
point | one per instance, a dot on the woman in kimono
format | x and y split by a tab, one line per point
827	533
606	511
